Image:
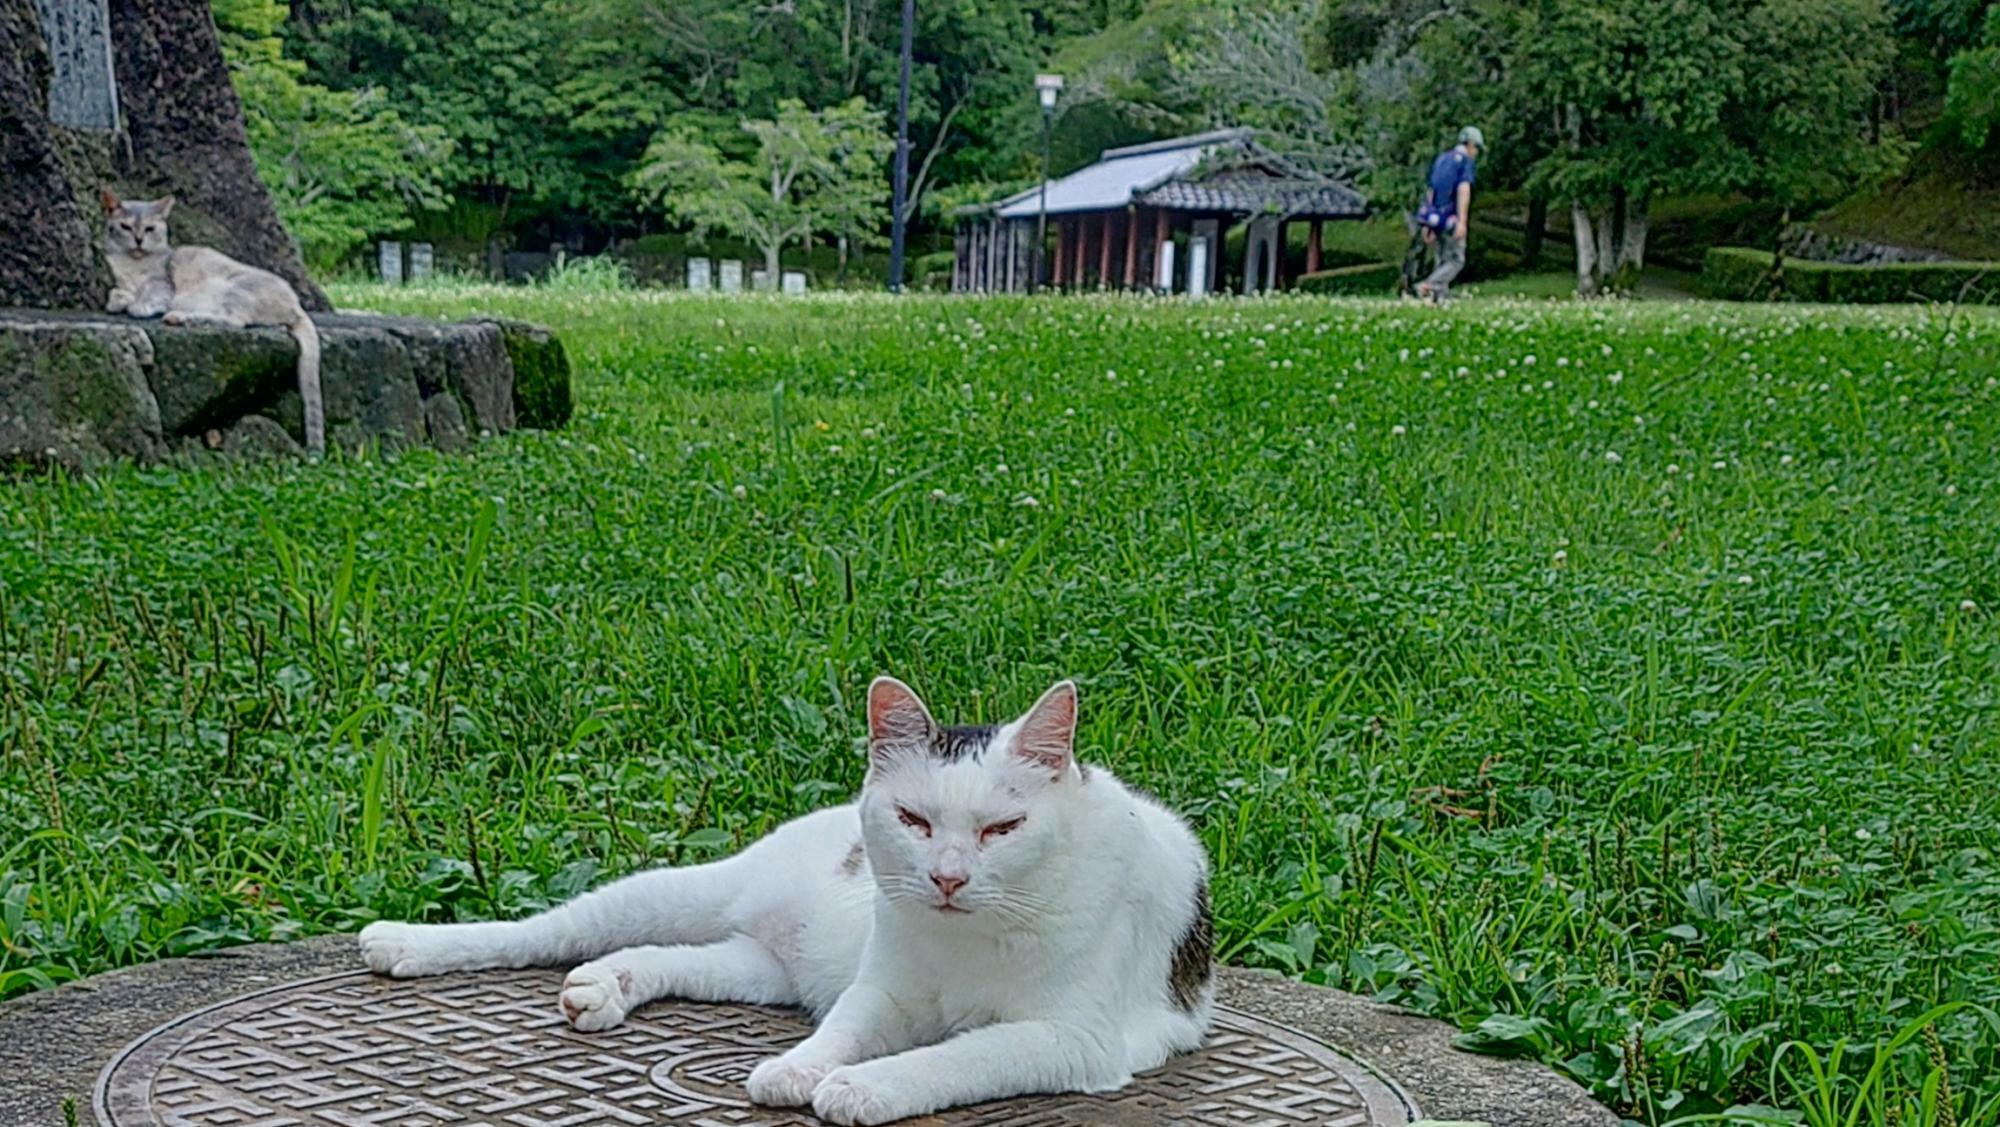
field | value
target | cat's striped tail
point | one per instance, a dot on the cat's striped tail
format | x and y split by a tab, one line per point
307	334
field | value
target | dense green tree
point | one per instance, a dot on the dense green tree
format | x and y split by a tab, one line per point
341	165
812	172
1972	100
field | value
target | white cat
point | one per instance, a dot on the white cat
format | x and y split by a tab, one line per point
990	919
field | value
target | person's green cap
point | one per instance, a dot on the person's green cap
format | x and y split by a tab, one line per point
1471	135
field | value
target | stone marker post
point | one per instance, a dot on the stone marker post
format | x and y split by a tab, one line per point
422	260
795	281
389	261
732	276
698	271
760	280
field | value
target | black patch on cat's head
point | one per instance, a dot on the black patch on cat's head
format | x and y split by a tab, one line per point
951	743
1194	955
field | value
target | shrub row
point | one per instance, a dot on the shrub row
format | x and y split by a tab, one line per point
1744	274
1367	278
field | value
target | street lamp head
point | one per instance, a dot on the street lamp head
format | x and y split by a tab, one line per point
1046	88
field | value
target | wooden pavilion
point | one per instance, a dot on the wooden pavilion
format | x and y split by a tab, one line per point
1155	216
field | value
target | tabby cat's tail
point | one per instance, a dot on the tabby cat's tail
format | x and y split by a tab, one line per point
307	334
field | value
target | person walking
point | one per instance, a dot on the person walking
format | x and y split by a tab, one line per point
1446	211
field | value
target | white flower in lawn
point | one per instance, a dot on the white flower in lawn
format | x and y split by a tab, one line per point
1528	361
1967	607
1951	490
1027	397
1547	384
1673	468
833	449
1027	501
1862	834
1612	457
1593	404
937	494
1745	580
1616	377
740	492
1562	361
1110	374
1001	468
1350	426
1719	464
1069	412
868	432
1560	558
1398	430
1833	970
1784	459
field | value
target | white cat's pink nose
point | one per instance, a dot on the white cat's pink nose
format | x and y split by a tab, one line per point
947	885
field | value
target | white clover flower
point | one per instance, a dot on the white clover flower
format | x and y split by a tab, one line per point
1027	501
1560	558
1784	459
1967	607
1719	465
1616	377
937	494
1745	580
1069	412
1673	468
868	432
740	492
1001	468
833	449
1398	430
1612	457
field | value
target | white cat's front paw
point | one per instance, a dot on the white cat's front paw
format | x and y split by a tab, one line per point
402	950
594	997
847	1096
783	1082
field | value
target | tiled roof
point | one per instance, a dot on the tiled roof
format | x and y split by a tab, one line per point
1221	171
1247	192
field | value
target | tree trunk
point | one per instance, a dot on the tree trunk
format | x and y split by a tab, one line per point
1588	280
771	267
840	272
1632	244
183	134
1538	218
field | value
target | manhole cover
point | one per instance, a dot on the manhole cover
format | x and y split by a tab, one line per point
356	1050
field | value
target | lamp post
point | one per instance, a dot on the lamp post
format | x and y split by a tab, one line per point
1046	88
902	187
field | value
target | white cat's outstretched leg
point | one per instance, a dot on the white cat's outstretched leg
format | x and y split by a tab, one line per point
679	906
990	1063
598	994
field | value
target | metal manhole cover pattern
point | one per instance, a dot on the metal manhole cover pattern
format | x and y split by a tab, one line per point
355	1050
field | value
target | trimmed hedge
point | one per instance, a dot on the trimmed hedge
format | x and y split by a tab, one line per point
1744	274
1367	278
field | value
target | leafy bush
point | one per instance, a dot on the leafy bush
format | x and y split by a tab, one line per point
1368	278
1744	274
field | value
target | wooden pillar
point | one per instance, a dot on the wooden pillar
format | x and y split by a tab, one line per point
1062	245
1278	249
1131	247
1312	248
1079	258
1104	252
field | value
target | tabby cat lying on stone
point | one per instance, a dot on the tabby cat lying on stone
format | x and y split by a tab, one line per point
188	285
988	920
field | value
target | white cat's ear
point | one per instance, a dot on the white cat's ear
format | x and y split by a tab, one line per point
897	720
109	199
1047	735
164	206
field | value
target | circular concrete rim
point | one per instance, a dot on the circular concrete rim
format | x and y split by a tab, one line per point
155	1047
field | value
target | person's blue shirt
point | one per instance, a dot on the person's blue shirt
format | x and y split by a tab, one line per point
1452	168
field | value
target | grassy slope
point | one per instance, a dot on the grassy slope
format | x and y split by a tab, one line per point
1668	597
1943	203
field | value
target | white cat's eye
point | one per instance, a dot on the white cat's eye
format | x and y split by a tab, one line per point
1002	829
913	821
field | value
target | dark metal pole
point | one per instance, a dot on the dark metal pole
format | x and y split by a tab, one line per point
1042	216
902	189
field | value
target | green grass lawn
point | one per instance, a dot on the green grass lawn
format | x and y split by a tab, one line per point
1619	681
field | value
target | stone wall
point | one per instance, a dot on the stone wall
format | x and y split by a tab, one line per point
80	390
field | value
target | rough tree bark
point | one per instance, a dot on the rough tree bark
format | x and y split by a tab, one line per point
183	134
